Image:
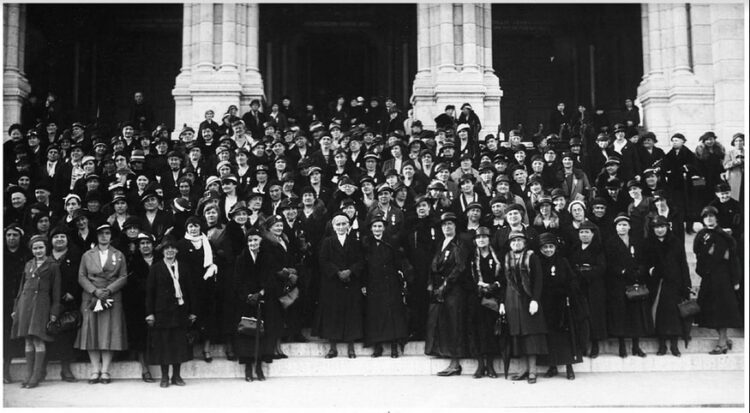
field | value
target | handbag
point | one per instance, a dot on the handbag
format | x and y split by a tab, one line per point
250	326
491	303
636	292
289	298
698	181
69	320
689	308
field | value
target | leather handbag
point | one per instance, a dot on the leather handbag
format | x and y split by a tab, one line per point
250	326
289	298
491	303
67	321
698	181
636	292
689	308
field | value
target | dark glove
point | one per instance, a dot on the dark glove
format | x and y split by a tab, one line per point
252	299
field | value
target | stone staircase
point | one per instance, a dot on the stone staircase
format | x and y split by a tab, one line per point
307	359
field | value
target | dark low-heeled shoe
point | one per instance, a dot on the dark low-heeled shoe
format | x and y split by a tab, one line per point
638	352
623	352
519	377
177	381
207	357
456	371
248	372
378	351
490	372
147	377
662	351
675	351
106	378
718	350
95	378
350	352
551	372
164	383
259	372
569	373
68	378
332	353
532	378
231	356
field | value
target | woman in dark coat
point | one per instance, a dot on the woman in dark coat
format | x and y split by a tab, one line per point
678	165
482	307
521	302
668	269
256	281
559	294
134	296
339	316
449	286
170	305
421	235
587	260
383	279
32	310
68	258
197	253
720	273
626	318
638	210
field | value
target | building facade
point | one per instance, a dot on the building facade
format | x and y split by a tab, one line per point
430	55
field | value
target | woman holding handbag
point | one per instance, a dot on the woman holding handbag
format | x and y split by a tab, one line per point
482	307
37	305
170	309
627	314
668	269
102	274
720	272
68	257
256	287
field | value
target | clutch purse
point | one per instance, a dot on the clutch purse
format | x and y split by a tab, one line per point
69	320
289	298
250	326
491	303
689	308
636	292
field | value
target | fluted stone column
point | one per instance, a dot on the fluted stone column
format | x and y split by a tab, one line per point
454	63
15	85
693	73
219	62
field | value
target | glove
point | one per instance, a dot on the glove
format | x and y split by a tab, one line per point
533	307
150	320
502	309
252	299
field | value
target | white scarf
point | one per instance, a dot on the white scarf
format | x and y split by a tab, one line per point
176	281
208	254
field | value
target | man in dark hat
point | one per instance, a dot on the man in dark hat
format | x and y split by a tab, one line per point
254	119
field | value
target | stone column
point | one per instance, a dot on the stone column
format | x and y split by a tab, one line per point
674	98
455	63
728	61
15	85
219	61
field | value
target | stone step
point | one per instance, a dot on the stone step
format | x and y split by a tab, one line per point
698	344
403	366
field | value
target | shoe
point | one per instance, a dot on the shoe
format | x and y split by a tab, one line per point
519	377
106	378
551	372
675	351
147	377
479	373
231	356
490	371
638	352
394	352
6	380
280	355
718	350
207	357
259	372
248	372
350	352
662	350
31	385
456	371
569	373
623	352
532	378
594	351
95	378
378	351
164	383
332	353
729	343
68	377
177	381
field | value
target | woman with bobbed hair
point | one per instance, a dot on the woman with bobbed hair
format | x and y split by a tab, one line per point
36	305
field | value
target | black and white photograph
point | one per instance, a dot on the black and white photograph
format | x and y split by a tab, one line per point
375	206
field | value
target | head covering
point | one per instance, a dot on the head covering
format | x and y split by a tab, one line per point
104	226
38	238
709	210
658	221
514	207
586	224
576	202
548	238
516	234
621	217
448	216
482	232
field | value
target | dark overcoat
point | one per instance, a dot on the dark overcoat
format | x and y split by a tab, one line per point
719	269
38	298
670	280
625	267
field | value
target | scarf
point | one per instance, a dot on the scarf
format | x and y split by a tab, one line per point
208	254
175	273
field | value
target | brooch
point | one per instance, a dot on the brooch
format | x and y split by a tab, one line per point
552	271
